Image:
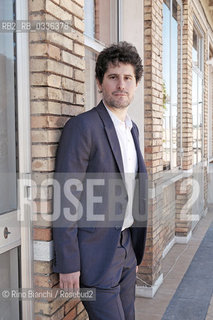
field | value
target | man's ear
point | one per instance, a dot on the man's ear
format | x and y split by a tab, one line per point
99	85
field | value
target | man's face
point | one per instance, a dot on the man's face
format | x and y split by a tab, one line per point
118	86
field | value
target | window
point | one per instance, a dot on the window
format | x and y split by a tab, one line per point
7	111
197	93
101	29
211	103
197	50
172	41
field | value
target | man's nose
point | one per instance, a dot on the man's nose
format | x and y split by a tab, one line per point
121	83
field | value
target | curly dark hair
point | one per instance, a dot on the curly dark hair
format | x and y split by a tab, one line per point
120	52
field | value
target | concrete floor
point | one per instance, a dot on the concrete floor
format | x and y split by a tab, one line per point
174	266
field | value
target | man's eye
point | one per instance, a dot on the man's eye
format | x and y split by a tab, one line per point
112	77
128	78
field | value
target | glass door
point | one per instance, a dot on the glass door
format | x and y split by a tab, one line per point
211	105
9	225
197	122
210	130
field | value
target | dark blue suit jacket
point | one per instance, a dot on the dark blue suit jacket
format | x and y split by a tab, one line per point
89	145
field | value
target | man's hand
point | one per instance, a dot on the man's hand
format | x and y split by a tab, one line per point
136	269
69	280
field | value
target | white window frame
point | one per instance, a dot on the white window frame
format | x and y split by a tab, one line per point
23	88
96	45
119	23
200	73
172	167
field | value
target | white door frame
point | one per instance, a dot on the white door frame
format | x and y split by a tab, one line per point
23	87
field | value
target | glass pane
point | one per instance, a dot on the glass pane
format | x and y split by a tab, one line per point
92	97
9	308
174	135
98	20
194	115
166	50
200	90
211	111
167	3
90	94
199	153
166	88
7	113
166	138
194	88
171	81
210	52
103	22
179	88
200	54
174	79
200	118
89	18
174	60
197	116
174	9
195	48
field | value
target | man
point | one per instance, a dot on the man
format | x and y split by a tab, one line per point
101	249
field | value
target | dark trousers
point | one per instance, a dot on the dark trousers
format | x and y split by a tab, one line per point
116	301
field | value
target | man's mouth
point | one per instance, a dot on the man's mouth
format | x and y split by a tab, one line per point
120	94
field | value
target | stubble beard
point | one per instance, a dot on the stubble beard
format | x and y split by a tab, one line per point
113	103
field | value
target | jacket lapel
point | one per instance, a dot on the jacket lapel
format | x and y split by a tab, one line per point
143	180
137	147
112	136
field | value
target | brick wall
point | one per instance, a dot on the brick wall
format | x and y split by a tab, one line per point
168	216
57	92
153	101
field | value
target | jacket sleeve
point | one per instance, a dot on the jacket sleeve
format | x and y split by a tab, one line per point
71	163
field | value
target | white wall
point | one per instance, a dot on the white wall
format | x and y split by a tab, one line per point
132	31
